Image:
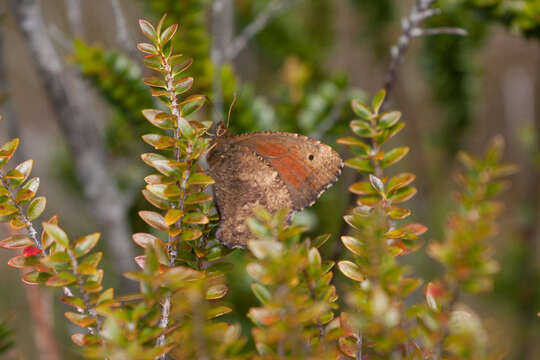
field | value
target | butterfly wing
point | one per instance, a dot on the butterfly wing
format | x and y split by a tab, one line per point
243	182
306	166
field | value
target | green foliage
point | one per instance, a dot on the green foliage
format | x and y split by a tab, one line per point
117	79
6	343
304	33
295	319
376	300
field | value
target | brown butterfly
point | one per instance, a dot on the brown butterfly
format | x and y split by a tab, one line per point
272	170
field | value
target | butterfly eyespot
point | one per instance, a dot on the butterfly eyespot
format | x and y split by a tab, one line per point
311	157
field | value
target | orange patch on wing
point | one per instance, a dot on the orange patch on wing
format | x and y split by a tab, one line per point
288	164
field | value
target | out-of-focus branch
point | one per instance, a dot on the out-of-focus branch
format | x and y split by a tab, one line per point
411	28
333	117
68	96
74	15
122	33
259	23
222	34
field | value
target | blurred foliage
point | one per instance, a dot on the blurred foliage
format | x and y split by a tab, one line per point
118	80
377	16
6	342
305	32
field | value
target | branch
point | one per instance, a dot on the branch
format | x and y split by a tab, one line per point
122	34
260	22
74	15
69	99
420	12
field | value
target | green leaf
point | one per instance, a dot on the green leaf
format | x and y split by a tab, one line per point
362	188
192	104
74	301
361	128
160	118
61	279
147	48
361	110
402	195
80	319
183	85
195	218
363	165
217	291
320	240
7	150
261	293
167	34
172	216
16	242
378	100
147	29
159	142
351	270
389	119
190	234
217	311
197	198
36	207
200	179
377	184
397	213
400	180
58	235
393	156
7	209
157	201
84	244
35	277
164	165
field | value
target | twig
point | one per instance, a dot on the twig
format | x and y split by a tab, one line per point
74	15
359	346
260	22
411	28
69	97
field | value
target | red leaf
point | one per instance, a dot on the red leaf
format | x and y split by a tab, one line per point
31	251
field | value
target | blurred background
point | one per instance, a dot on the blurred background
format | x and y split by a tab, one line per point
82	124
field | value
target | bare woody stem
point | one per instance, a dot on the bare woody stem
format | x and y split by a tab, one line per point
411	28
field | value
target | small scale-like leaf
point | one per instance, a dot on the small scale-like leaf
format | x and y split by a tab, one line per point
261	293
147	29
31	251
35	277
389	119
36	207
377	183
197	198
217	311
7	150
402	195
61	279
80	319
361	110
16	242
414	228
74	301
160	118
378	100
167	34
7	209
200	179
397	213
192	104
154	219
362	165
362	188
320	240
354	245
172	216
351	270
58	235
400	181
84	244
217	291
393	156
147	48
155	82
195	218
183	85
159	142
144	240
190	234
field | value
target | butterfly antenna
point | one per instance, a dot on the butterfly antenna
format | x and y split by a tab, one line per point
230	109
